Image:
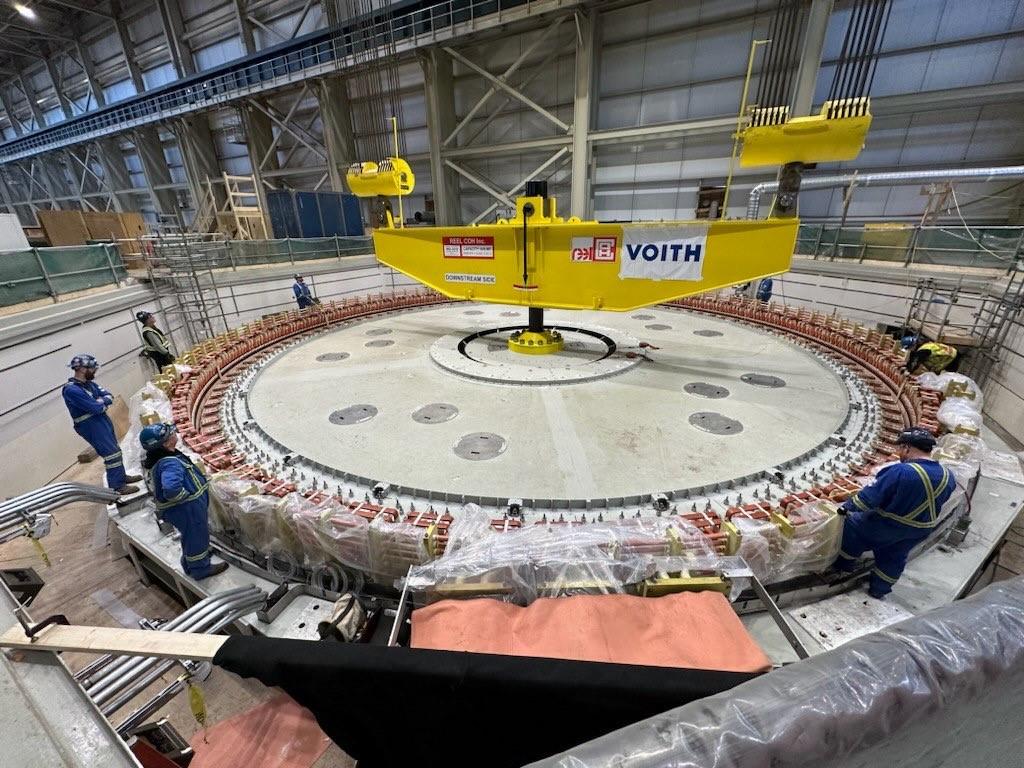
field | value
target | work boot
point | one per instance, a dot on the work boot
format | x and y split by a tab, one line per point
127	490
133	479
215	568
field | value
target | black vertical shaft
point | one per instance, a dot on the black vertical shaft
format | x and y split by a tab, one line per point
536	319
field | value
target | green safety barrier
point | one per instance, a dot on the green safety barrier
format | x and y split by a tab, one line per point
991	247
41	273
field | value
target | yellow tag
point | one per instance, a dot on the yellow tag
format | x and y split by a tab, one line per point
197	704
39	548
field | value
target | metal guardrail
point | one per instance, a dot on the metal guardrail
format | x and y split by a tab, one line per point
991	247
318	54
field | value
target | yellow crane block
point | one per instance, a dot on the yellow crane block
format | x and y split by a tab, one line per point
585	264
837	133
392	177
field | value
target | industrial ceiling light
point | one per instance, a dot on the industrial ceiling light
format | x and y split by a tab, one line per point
25	11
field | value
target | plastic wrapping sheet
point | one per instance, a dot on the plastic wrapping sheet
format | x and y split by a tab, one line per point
256	516
814	543
394	547
943	688
569	558
226	492
957	413
471	524
298	520
810	547
344	537
942	381
970	449
758	539
148	401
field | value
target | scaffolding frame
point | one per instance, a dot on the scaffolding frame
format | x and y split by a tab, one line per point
997	304
181	269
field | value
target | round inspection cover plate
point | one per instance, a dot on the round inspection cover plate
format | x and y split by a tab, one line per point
473	312
763	380
435	413
511	314
354	414
643	316
703	389
378	332
479	446
715	423
331	357
658	327
379	343
706	332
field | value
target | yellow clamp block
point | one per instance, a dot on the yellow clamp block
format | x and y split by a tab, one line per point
392	177
733	537
837	133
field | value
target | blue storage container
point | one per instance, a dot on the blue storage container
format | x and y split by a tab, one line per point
295	213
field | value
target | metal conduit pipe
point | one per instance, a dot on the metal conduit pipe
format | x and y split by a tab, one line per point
114	698
199	612
893	178
191	613
143	713
51	496
125	675
195	622
116	673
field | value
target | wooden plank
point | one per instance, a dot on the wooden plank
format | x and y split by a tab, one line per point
63	227
123	642
104	225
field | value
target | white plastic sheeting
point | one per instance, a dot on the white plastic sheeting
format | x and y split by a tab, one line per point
943	688
563	559
148	401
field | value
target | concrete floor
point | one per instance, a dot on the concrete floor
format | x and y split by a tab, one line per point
91	587
626	434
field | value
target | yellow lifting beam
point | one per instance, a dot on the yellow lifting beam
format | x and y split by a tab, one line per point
573	264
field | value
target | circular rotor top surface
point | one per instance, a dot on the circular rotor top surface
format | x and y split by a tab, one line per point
634	431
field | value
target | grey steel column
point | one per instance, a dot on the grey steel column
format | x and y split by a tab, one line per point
581	202
810	58
339	138
115	172
440	97
199	156
154	166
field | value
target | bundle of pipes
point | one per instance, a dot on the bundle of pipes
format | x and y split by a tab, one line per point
113	681
18	516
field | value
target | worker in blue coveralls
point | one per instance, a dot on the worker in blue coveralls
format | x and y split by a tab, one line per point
764	289
87	403
180	492
302	294
896	512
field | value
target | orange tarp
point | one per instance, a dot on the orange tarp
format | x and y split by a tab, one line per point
695	630
276	734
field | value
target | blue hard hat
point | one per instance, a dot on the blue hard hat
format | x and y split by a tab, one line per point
83	361
156	435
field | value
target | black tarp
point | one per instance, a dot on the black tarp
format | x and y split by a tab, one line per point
413	707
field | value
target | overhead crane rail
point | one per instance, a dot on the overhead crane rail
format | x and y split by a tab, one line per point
405	25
